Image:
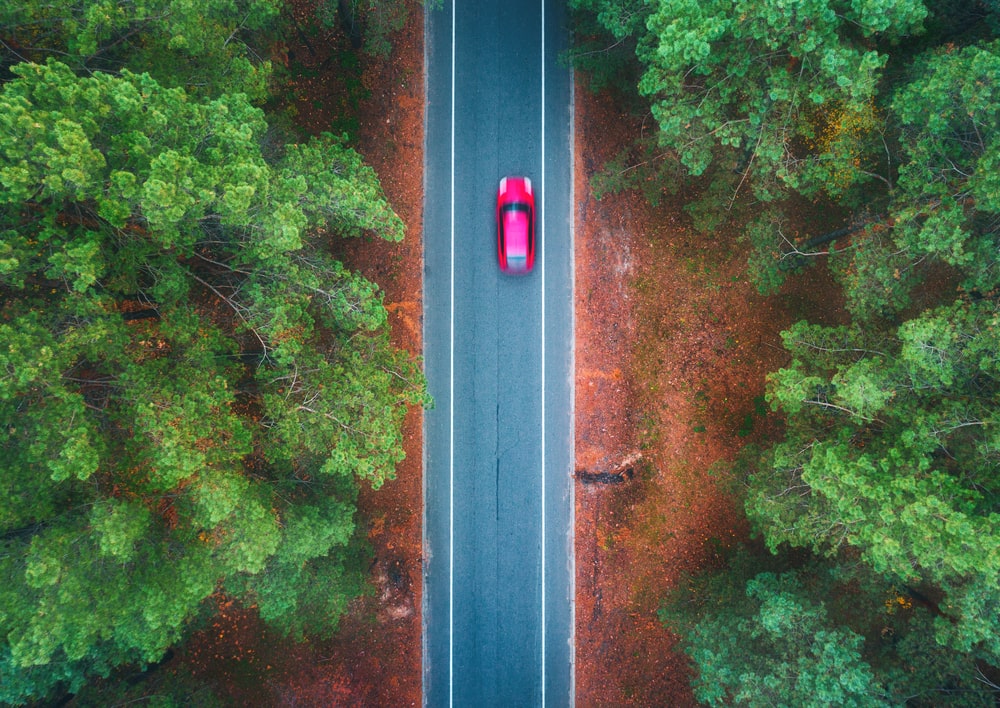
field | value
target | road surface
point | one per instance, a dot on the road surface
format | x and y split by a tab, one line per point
498	564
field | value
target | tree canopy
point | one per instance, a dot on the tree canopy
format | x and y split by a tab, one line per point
891	449
210	47
887	469
191	387
805	627
798	659
772	99
762	76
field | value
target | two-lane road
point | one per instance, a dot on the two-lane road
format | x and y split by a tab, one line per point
498	614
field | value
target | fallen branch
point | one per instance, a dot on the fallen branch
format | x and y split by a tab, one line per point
622	472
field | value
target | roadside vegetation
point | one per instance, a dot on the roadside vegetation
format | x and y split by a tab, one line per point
193	388
860	138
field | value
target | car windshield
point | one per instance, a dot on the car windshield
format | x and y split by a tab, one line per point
516	221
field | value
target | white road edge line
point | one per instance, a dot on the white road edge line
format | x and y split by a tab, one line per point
572	389
542	253
451	391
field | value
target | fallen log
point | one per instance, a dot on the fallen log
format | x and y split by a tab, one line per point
620	473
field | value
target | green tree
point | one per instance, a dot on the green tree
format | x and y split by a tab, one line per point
947	199
605	37
191	389
940	199
759	81
942	204
891	449
774	99
780	630
165	685
210	47
777	647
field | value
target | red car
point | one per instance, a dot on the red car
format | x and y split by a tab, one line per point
516	225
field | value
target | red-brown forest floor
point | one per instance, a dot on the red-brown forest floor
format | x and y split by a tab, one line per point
672	347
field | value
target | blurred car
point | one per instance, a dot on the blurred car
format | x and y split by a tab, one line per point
515	225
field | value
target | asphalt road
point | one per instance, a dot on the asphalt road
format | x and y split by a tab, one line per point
498	562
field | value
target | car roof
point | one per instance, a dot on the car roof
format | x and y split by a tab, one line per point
516	225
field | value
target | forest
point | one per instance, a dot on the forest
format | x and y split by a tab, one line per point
193	389
873	573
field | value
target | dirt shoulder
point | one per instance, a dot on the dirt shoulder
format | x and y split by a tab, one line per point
673	344
380	643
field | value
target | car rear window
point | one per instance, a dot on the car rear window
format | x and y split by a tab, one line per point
517	263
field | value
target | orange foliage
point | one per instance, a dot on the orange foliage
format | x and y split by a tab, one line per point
841	140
